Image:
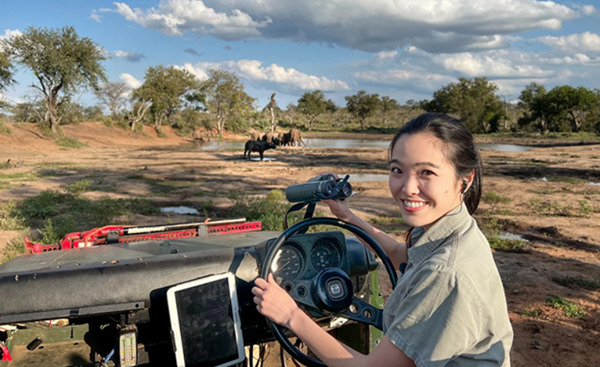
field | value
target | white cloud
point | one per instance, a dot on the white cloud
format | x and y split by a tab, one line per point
493	64
130	81
582	42
255	71
128	55
588	10
176	17
406	79
9	33
385	55
95	16
462	24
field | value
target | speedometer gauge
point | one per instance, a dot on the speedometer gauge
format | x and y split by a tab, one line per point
288	263
325	254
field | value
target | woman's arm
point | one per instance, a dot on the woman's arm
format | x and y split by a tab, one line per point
394	249
273	302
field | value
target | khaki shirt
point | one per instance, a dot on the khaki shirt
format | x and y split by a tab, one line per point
449	307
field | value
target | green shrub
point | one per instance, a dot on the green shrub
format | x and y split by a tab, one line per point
14	248
5	130
571	309
532	312
494	199
577	282
67	142
79	187
9	218
585	208
269	212
61	213
506	244
275	195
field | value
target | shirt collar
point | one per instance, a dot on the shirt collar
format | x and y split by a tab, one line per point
425	242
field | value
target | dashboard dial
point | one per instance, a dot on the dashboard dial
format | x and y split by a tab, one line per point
289	262
325	254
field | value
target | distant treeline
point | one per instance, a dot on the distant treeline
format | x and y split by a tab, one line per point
64	64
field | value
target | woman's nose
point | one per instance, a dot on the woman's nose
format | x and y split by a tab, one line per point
410	186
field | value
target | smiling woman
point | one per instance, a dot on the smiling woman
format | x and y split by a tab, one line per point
450	288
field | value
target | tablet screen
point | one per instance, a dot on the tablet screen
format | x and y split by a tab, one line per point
205	322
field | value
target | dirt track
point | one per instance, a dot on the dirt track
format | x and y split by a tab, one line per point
129	166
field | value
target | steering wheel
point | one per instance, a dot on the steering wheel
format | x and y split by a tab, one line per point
333	287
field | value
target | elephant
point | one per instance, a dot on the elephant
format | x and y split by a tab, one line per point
254	135
268	137
295	138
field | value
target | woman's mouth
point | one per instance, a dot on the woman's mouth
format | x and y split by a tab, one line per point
413	205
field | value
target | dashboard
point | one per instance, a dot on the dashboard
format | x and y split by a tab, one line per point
302	257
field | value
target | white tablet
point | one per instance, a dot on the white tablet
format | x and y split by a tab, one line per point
205	322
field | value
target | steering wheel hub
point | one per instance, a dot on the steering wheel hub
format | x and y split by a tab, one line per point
333	290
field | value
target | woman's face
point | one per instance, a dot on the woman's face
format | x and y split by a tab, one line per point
422	180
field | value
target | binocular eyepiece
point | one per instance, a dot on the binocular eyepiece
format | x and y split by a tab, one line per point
319	188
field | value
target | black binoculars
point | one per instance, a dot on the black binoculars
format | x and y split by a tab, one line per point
319	188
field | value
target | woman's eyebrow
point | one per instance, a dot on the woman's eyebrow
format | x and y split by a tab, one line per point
428	164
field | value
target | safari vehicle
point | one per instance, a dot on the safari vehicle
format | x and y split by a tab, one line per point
180	295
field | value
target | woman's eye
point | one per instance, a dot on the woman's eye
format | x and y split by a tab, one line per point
395	170
427	173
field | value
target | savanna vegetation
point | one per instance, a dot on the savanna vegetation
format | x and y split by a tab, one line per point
65	65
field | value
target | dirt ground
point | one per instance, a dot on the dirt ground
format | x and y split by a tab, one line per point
554	177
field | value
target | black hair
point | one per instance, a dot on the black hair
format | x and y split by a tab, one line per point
461	151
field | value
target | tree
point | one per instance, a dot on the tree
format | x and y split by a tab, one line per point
164	90
61	61
312	104
572	105
474	101
271	107
562	109
6	74
137	113
362	105
113	95
389	105
532	100
225	97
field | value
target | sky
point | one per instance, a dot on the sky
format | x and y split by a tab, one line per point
403	49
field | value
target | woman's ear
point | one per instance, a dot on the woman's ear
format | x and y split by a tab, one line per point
467	181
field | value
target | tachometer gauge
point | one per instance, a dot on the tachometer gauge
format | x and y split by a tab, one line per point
325	254
288	262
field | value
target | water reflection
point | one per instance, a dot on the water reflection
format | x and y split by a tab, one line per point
367	177
179	210
349	144
504	147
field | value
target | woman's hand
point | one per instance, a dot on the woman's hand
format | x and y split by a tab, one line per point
274	302
339	208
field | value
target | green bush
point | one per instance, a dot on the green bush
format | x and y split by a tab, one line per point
9	218
275	196
506	244
577	282
67	142
494	199
5	130
269	212
79	187
63	212
571	309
